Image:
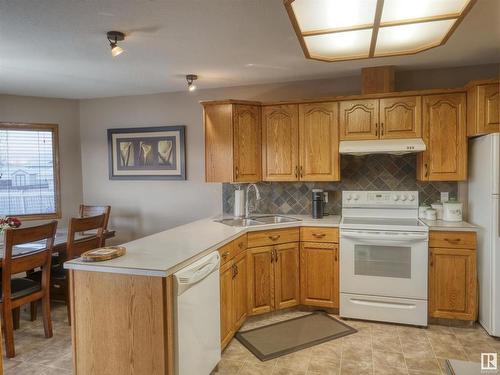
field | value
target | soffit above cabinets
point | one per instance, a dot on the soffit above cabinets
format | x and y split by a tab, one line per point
337	30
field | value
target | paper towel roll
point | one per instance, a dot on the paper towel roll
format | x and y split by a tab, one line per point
239	203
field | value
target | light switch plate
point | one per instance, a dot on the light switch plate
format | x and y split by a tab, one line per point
445	196
325	196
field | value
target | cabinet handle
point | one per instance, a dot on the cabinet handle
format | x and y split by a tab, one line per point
319	235
382	129
453	240
376	129
234	270
432	260
336	258
274	238
272	255
225	255
240	245
275	255
296	171
426	170
301	171
237	171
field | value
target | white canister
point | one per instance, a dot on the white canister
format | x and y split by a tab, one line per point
452	211
431	214
438	206
421	211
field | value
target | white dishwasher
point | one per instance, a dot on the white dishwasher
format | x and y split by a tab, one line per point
197	317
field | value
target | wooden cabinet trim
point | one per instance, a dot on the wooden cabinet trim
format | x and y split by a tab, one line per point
273	237
319	234
286	275
404	113
452	239
350	122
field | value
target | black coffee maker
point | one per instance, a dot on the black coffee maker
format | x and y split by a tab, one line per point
318	203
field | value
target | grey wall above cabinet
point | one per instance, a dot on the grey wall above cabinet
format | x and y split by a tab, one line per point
371	172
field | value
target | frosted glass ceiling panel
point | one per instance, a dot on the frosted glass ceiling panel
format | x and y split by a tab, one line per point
336	45
395	39
397	10
333	14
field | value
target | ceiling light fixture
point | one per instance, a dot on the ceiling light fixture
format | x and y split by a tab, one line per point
114	37
190	78
337	30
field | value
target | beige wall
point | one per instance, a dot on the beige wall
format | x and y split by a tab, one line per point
144	207
65	113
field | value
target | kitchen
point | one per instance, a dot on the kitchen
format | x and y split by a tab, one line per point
336	225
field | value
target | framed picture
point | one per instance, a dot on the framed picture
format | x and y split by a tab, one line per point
154	153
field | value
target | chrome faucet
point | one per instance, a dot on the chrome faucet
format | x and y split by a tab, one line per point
257	197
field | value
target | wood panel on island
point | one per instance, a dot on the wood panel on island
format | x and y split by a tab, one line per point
452	275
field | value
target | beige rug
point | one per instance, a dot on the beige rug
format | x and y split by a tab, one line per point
289	336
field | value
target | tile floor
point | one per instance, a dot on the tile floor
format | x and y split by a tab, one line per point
376	349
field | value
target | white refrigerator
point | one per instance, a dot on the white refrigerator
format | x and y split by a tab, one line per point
484	211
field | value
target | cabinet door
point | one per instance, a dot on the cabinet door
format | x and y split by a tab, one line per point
359	120
226	304
260	280
319	274
319	142
247	143
488	108
452	283
286	271
445	134
240	305
401	117
280	143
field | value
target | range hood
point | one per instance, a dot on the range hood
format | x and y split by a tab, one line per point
382	146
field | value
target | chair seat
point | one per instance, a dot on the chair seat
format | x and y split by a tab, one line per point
21	287
58	273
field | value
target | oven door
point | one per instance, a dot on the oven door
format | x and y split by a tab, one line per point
379	263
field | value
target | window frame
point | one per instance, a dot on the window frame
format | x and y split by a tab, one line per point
54	128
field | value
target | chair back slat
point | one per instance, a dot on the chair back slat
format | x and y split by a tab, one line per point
39	257
86	211
75	246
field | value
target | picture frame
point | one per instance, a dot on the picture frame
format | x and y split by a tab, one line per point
147	153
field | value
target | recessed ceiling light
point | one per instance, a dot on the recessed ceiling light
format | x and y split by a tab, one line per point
190	78
114	37
336	30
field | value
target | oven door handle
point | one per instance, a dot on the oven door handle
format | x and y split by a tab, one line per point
392	305
382	237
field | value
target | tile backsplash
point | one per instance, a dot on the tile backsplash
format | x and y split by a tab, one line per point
370	172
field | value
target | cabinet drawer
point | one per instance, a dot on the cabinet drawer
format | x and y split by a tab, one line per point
240	244
273	237
226	253
461	240
319	234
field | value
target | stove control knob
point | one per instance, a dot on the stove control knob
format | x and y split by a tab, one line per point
404	197
349	197
395	197
411	198
356	197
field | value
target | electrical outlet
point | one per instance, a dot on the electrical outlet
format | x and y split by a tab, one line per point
445	196
325	196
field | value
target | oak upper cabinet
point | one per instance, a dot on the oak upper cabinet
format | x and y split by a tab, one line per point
280	143
260	279
226	303
483	107
359	119
452	275
232	141
319	142
445	134
287	287
400	117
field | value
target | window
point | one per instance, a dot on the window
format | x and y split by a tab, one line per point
29	171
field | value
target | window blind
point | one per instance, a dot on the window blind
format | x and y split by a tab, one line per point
27	181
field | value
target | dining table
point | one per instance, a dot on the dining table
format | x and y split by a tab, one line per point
60	243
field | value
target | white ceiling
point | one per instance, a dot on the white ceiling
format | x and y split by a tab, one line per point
58	48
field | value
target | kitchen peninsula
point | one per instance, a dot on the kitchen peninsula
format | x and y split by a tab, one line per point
128	303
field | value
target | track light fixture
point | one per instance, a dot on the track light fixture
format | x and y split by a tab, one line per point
190	78
114	37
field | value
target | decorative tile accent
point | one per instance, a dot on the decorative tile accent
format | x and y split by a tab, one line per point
370	172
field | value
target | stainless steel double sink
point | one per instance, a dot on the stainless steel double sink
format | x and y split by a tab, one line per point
258	220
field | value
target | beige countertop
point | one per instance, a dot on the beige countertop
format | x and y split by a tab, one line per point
458	226
164	253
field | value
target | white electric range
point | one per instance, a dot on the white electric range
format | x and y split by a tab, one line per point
383	257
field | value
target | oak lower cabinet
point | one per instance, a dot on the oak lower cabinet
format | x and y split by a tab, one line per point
233	289
273	279
483	107
319	274
232	141
445	135
452	275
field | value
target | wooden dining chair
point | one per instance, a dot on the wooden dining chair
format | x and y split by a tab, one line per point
77	244
86	211
20	290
